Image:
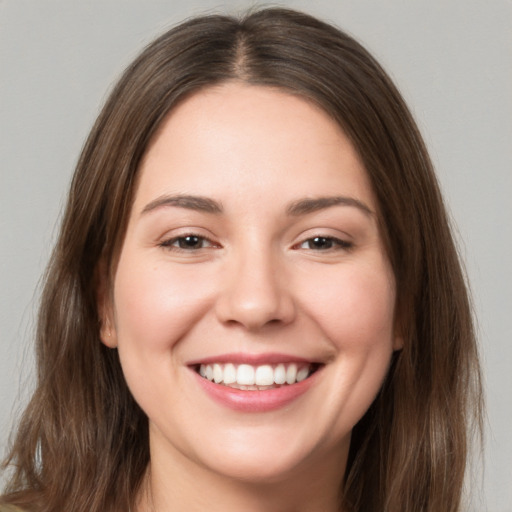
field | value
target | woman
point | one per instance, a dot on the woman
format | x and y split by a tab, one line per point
255	301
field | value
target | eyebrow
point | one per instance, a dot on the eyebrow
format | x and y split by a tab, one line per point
199	203
309	205
297	208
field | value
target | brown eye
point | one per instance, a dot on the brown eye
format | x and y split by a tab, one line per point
190	242
187	243
324	243
320	243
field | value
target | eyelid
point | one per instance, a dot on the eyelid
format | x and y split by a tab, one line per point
338	243
168	242
342	240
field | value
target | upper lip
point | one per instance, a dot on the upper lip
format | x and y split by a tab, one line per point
252	359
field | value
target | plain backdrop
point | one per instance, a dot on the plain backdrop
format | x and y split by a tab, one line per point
451	59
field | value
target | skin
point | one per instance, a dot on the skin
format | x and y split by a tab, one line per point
255	283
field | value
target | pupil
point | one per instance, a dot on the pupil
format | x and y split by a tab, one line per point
188	242
320	242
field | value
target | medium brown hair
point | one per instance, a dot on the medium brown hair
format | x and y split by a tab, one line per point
82	444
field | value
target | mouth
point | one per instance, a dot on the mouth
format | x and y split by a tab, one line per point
256	383
263	377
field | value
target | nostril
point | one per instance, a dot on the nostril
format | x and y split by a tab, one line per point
254	295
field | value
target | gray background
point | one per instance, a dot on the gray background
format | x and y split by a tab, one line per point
451	59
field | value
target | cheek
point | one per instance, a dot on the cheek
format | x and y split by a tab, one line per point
355	307
156	305
355	312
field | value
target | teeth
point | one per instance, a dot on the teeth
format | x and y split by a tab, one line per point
264	375
302	374
291	374
229	373
280	374
248	377
217	373
245	375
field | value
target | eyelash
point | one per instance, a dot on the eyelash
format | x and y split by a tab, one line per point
333	243
181	240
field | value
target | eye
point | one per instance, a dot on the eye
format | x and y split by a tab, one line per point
324	243
188	243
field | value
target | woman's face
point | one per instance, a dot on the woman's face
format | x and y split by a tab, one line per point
253	303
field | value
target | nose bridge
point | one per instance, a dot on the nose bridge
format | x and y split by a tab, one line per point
253	291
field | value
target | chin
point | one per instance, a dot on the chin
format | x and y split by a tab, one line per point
259	470
273	458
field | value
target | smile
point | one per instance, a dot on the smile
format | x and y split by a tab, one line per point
256	378
255	383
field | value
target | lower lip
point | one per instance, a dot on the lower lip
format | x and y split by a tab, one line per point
256	401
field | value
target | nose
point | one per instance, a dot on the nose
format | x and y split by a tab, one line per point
254	293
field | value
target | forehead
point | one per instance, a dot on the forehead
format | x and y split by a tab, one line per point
236	138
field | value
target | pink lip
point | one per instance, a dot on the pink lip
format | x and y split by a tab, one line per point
252	359
255	401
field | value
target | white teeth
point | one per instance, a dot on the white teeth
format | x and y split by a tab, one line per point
264	375
280	374
248	377
245	375
217	373
229	373
291	374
